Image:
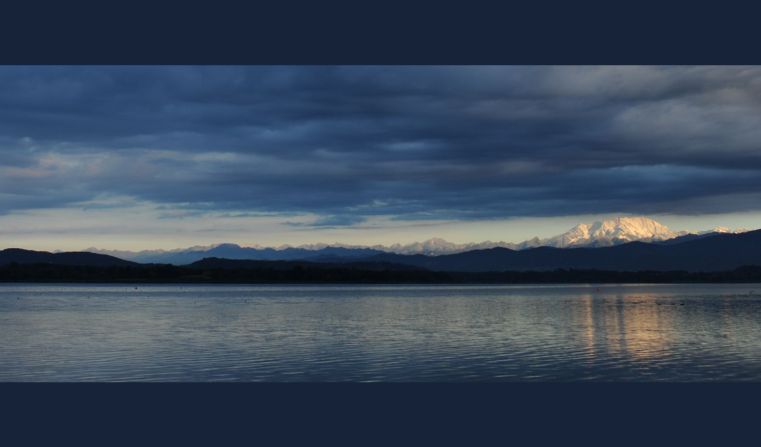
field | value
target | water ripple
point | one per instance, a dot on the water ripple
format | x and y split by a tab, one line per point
379	333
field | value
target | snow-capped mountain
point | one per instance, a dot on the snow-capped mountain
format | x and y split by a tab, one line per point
613	232
437	246
598	234
724	230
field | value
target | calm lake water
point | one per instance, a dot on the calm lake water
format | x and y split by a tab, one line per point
380	333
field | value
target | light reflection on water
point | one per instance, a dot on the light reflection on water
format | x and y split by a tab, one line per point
380	333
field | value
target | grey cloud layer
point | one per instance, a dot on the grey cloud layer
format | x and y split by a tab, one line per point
408	142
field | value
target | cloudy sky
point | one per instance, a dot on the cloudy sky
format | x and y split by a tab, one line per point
165	157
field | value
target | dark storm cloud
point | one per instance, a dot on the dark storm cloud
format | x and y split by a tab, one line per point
409	142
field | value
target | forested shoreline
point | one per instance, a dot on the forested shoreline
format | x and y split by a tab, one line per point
254	272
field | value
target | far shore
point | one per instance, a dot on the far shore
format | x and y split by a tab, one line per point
304	273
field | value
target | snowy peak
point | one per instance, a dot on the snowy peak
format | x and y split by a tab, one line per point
575	236
724	230
432	246
438	246
630	226
612	232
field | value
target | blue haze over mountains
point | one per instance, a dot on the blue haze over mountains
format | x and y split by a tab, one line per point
621	244
710	252
604	233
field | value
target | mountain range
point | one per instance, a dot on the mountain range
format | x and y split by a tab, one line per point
604	233
622	244
710	252
706	253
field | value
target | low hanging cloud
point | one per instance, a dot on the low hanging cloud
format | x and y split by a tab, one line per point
349	143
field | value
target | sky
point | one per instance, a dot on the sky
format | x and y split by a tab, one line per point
135	157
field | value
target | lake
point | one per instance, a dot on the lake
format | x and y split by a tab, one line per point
702	332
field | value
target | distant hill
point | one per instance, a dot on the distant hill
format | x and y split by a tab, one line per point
716	252
21	256
297	272
692	237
